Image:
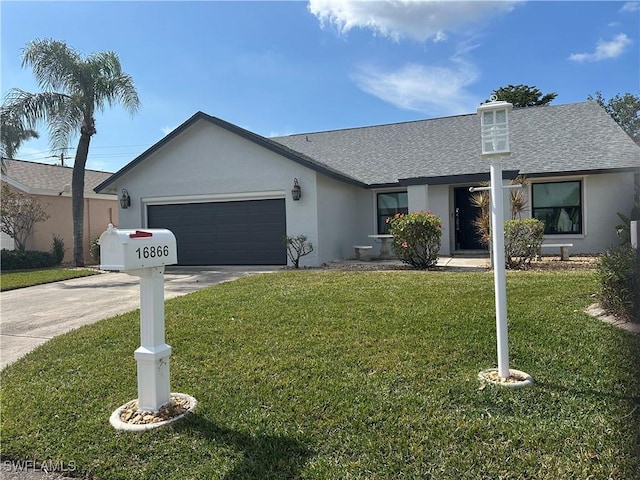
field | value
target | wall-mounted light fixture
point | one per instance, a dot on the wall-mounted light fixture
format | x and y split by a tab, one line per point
125	199
296	191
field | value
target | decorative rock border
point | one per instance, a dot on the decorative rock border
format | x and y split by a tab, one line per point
179	406
516	378
597	311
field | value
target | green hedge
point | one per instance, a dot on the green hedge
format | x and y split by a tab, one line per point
27	260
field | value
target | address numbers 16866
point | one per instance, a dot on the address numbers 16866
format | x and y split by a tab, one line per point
153	251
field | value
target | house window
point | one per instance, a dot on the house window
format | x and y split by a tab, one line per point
559	206
388	205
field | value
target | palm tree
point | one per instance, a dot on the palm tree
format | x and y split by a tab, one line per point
12	134
74	88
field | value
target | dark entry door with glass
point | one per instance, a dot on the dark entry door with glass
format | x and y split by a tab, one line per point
464	214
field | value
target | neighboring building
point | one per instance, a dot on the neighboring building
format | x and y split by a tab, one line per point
225	192
51	185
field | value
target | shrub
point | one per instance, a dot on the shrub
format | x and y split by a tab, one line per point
618	273
416	238
297	247
522	240
26	260
57	249
94	249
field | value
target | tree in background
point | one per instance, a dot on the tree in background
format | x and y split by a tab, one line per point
625	110
523	96
12	134
18	215
74	88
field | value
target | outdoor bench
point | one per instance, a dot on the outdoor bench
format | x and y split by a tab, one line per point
363	251
564	248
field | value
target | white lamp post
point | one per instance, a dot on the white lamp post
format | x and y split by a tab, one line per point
494	122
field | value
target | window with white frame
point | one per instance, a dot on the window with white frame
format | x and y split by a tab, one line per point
559	206
388	204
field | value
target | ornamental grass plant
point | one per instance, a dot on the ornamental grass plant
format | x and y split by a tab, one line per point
335	375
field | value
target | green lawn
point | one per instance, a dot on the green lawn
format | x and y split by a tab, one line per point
335	375
29	278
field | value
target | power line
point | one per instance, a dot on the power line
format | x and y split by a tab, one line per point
45	152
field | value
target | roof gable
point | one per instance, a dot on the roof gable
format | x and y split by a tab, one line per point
264	142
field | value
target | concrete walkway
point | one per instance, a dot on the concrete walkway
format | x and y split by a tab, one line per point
32	316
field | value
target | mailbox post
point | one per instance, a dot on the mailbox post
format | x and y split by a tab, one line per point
144	253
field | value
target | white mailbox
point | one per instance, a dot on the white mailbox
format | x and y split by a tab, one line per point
122	250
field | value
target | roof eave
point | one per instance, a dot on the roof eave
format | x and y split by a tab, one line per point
461	178
570	173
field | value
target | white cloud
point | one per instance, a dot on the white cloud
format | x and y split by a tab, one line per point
432	90
630	7
417	19
167	130
604	50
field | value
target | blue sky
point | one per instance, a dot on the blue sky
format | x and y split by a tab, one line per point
278	68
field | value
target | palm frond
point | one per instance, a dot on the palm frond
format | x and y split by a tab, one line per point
65	124
13	133
120	89
49	107
55	65
518	197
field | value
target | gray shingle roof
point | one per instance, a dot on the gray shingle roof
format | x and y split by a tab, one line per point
549	140
554	139
42	176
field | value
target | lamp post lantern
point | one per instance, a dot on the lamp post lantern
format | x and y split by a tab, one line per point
494	121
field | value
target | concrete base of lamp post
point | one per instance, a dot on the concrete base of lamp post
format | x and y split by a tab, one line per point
515	379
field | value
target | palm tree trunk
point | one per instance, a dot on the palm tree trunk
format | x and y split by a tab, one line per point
77	199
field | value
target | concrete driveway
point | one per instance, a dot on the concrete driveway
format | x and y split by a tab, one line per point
32	316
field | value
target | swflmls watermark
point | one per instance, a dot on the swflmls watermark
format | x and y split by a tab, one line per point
34	465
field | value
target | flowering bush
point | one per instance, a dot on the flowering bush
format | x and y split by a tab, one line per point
416	238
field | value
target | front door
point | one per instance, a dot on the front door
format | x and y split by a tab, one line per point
464	214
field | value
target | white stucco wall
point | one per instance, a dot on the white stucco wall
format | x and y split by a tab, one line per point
418	198
343	217
6	242
207	163
440	204
438	200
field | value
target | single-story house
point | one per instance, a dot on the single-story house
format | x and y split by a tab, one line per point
226	192
51	186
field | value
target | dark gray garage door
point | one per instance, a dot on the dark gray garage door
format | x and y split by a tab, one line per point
225	233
